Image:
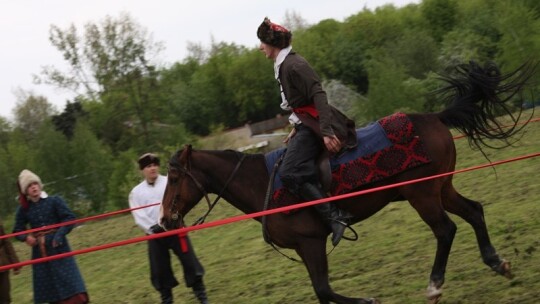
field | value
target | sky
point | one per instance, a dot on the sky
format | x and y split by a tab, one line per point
25	24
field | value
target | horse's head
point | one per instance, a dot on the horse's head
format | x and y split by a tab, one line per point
183	191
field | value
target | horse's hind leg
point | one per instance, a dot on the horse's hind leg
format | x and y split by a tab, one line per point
473	213
313	253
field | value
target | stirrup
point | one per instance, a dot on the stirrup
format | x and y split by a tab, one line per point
347	226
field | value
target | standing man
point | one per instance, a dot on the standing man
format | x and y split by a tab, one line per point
150	191
318	126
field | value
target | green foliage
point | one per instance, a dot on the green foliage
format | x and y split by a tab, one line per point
232	87
65	122
317	45
31	113
124	175
440	15
464	45
390	88
254	96
111	63
520	31
416	51
74	168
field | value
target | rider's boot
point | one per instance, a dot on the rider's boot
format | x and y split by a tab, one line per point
335	217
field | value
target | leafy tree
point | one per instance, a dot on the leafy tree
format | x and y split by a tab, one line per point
5	129
183	99
76	169
31	113
91	162
111	64
359	35
206	94
294	21
519	26
124	175
8	188
391	89
350	57
65	122
440	15
316	44
255	95
460	46
416	51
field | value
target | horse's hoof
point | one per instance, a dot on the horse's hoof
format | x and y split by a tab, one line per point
433	294
434	299
505	269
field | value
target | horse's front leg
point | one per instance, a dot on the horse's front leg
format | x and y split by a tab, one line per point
313	253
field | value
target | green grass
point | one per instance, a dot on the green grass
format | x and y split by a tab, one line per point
391	261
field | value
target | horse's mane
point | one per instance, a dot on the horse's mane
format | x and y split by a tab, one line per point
237	154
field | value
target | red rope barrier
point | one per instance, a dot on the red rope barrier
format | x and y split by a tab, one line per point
184	231
90	218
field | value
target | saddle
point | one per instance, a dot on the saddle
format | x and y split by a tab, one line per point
385	148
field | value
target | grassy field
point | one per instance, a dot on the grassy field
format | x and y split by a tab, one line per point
391	261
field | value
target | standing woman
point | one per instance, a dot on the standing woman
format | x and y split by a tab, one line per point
57	281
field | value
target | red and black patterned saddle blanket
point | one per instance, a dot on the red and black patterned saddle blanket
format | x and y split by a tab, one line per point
385	148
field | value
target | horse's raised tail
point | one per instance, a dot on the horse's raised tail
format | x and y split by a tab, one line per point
476	96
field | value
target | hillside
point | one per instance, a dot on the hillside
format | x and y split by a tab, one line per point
391	261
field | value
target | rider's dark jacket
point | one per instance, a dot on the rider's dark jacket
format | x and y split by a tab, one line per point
302	88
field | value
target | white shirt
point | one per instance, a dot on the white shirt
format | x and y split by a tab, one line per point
293	119
145	194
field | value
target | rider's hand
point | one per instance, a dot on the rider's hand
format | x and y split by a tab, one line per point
291	135
332	143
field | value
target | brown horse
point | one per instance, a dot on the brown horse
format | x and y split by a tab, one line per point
475	95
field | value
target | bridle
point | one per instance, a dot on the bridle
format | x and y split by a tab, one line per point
186	170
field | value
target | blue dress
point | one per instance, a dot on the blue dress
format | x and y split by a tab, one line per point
58	279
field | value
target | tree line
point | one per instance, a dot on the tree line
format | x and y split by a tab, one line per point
374	63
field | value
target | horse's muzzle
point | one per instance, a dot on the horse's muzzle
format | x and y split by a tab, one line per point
171	223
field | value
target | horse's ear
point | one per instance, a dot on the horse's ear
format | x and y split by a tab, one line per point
186	153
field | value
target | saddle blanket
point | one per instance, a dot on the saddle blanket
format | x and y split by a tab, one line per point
385	148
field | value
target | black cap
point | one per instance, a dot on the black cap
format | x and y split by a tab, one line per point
148	159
